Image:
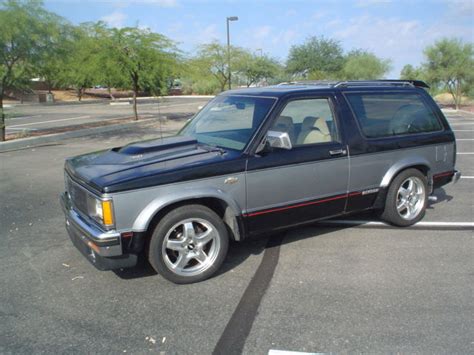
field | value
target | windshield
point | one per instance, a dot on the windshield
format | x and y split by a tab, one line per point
228	121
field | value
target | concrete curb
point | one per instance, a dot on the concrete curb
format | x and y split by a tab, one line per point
167	97
49	138
61	103
157	99
108	101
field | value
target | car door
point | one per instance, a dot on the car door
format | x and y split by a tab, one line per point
305	183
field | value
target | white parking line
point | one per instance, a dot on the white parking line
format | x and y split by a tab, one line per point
379	224
21	129
461	123
465	139
286	352
34	123
24	117
166	106
467	177
464	153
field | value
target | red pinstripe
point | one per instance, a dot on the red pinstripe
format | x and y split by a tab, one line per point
278	209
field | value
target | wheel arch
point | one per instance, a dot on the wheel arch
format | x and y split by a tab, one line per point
419	163
223	205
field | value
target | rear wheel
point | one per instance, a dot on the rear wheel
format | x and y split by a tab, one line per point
406	199
189	244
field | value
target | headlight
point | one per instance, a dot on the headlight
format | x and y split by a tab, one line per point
100	210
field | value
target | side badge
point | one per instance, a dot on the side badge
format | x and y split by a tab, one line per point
371	191
231	180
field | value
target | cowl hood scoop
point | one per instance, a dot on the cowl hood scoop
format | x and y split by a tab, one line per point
155	145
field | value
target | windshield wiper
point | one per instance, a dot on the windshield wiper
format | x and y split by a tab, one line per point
211	148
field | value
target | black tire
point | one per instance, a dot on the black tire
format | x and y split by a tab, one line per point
161	258
390	213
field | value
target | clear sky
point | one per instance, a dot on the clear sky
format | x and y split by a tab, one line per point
393	29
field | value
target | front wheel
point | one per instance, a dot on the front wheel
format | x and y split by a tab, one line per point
189	244
406	199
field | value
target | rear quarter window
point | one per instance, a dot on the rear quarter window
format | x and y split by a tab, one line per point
392	114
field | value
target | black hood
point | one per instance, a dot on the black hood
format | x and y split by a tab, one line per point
151	163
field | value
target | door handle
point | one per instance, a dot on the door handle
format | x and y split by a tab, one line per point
338	152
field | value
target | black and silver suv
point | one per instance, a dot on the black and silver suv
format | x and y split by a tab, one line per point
254	161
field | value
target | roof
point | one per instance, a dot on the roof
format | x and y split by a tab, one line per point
310	86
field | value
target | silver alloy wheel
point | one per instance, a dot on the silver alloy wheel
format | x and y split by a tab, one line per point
411	198
190	247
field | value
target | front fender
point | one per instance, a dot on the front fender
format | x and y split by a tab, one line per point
143	220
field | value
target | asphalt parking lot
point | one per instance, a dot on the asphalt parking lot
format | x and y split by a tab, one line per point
27	118
341	288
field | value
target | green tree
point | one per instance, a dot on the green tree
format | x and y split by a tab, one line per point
110	72
22	40
317	58
363	65
82	66
145	58
409	72
450	62
254	68
211	60
197	78
53	55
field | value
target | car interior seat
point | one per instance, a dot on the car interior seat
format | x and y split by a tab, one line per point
408	118
285	124
314	130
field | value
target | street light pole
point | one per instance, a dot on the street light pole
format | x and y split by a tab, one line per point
232	18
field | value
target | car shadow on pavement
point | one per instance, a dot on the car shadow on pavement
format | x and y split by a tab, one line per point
142	269
239	252
314	230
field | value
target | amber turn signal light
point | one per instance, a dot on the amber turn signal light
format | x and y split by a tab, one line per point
107	213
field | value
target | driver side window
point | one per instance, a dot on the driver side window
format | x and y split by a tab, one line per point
307	121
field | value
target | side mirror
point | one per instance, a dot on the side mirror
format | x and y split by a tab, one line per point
280	140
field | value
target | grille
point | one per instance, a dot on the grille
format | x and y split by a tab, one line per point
78	195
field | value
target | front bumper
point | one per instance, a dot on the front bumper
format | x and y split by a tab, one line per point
103	249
